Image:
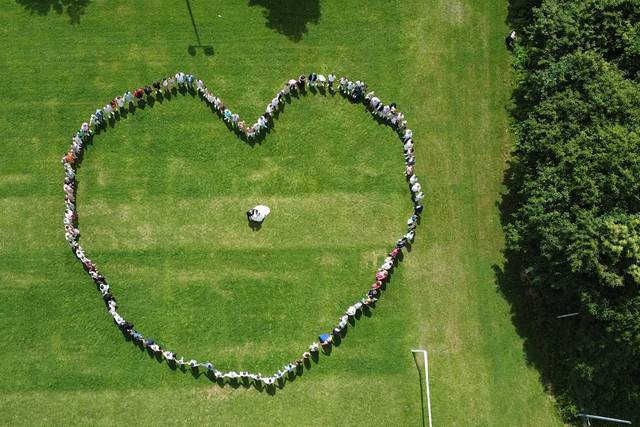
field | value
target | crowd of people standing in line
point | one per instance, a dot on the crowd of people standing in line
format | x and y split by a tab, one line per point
356	91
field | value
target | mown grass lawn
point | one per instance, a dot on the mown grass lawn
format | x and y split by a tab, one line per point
162	195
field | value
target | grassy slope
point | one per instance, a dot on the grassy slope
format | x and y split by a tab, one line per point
161	205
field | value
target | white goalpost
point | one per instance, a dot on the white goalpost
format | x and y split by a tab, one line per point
426	380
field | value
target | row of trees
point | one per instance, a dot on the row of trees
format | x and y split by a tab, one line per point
573	222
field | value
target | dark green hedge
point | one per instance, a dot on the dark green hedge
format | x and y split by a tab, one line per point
575	224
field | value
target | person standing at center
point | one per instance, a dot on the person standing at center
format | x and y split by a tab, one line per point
258	213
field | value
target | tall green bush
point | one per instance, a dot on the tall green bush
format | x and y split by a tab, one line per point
575	227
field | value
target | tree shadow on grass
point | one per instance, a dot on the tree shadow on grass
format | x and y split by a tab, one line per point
289	17
74	8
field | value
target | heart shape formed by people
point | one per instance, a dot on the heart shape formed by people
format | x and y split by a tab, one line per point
356	92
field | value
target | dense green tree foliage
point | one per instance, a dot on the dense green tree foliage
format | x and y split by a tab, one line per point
609	28
575	179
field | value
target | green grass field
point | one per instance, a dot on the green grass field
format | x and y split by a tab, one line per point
162	195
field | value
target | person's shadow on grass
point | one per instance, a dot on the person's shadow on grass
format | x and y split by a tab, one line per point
255	226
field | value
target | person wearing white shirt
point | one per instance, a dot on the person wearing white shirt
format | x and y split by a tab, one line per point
331	78
262	122
343	84
118	319
343	321
108	110
408	145
410	235
258	213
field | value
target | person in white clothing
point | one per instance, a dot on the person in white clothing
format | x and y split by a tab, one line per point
262	122
258	214
331	78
